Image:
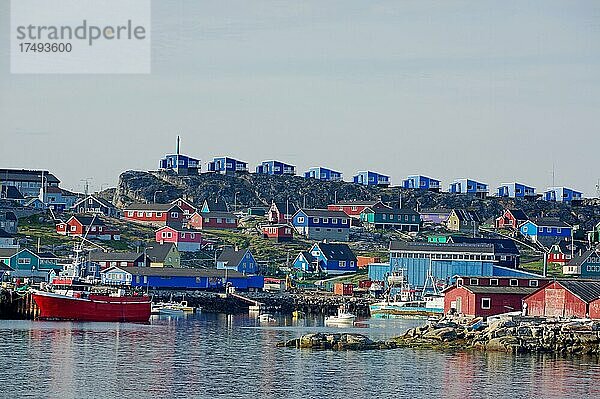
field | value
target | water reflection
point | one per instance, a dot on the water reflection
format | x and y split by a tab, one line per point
208	355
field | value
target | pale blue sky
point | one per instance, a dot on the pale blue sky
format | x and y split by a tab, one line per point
494	90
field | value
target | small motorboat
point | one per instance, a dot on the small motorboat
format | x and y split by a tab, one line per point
343	317
267	318
167	309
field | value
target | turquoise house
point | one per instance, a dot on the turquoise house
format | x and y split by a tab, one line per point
586	265
27	264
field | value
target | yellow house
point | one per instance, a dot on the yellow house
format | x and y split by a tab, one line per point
163	255
463	220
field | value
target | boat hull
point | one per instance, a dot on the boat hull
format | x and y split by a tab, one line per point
402	311
95	308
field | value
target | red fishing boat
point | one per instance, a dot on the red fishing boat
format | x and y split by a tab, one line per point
88	306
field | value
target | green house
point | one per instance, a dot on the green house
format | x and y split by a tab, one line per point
381	218
437	239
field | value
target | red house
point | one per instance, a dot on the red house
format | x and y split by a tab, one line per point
488	296
278	232
560	253
565	298
186	240
213	220
89	226
154	214
281	212
354	208
186	206
511	219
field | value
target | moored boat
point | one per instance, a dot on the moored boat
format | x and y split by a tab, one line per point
343	317
88	306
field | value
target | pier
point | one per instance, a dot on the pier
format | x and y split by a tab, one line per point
15	305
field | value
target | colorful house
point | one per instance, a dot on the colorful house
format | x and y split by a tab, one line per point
217	205
322	224
278	232
478	296
323	174
403	219
562	194
186	206
515	190
421	182
563	251
355	208
213	220
27	264
97	205
275	168
511	219
157	278
180	164
240	260
9	222
186	240
122	259
370	178
469	186
545	230
163	255
463	220
585	265
565	299
434	216
58	199
328	258
28	182
593	235
227	166
90	227
154	214
281	212
11	193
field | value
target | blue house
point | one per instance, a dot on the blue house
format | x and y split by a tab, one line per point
178	278
324	174
444	261
468	186
562	194
227	166
240	260
275	168
515	190
369	178
546	231
322	224
421	182
180	164
586	265
327	258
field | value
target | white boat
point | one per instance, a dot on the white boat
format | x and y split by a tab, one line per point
267	318
167	308
342	317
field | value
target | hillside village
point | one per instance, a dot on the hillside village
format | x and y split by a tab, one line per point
174	227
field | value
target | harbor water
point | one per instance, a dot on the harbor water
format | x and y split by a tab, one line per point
234	356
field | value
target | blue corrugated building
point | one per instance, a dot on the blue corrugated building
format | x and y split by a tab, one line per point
275	168
179	278
370	178
515	190
324	174
180	164
227	166
468	186
562	194
421	182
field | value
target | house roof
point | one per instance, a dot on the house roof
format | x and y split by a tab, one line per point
308	256
27	175
102	201
8	215
231	256
176	272
549	222
97	256
158	252
565	246
337	251
437	211
8	252
578	260
465	215
518	214
395	211
11	192
216	205
47	255
435	247
359	203
4	234
217	214
179	228
151	207
499	289
586	290
323	213
501	245
284	207
89	220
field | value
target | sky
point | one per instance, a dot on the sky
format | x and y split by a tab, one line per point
498	91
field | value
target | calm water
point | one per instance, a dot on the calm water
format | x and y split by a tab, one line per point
210	355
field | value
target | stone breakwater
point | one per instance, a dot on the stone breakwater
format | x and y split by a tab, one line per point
512	336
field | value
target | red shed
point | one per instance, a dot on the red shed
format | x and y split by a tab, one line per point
564	298
595	309
213	220
154	214
278	232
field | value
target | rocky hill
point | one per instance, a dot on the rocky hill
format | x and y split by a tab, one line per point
257	190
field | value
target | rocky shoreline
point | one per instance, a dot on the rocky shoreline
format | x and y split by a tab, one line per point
520	335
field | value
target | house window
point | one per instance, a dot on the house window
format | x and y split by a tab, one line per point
174	215
524	229
342	263
300	219
513	282
315	220
474	281
344	221
351	263
192	236
459	282
73	228
558	230
486	303
140	214
533	283
493	281
24	261
123	263
145	279
182	235
159	214
148	214
334	220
